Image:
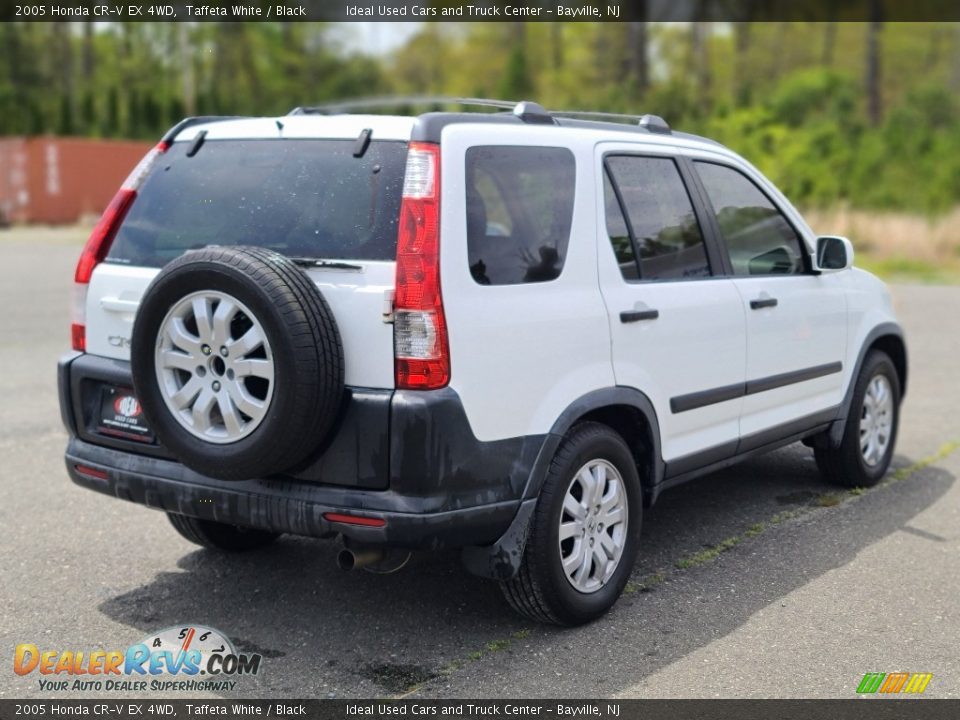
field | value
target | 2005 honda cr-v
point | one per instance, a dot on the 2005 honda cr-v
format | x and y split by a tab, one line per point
505	332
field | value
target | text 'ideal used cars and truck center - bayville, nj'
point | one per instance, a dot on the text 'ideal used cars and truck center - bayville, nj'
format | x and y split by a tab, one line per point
569	12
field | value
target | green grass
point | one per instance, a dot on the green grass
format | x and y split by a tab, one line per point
824	500
909	269
709	554
903	473
828	500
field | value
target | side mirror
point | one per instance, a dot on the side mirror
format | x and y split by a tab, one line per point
833	253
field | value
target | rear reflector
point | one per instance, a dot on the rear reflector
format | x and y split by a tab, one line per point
354	519
91	472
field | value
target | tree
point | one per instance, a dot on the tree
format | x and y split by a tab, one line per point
700	56
188	88
516	83
872	79
829	41
636	65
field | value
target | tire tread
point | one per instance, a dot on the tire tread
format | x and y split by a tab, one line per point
527	592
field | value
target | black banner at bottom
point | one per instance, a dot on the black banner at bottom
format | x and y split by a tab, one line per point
873	708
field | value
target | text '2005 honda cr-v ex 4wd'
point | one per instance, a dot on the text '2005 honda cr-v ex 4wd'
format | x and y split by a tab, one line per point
503	332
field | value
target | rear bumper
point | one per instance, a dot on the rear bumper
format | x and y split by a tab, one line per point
281	505
406	459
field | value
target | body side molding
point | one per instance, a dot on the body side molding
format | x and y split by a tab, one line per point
702	398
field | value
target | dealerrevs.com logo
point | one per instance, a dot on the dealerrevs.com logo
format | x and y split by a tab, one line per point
189	658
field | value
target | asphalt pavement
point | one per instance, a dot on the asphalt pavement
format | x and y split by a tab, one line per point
757	581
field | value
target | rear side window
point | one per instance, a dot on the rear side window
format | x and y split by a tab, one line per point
659	218
302	198
519	203
758	237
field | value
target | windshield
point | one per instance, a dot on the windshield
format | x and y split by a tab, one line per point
302	198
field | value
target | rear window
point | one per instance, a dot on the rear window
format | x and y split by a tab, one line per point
519	211
302	198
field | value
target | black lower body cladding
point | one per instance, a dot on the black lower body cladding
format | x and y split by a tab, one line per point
433	446
409	458
237	362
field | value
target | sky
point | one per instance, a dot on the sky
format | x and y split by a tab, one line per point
375	38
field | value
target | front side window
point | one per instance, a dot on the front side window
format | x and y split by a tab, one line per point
661	223
519	203
758	237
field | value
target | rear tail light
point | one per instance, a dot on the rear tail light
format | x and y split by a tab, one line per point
421	350
98	244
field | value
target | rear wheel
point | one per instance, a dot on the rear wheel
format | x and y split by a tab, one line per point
870	434
585	531
220	536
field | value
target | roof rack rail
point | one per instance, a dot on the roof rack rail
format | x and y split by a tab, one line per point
653	123
373	103
531	112
525	110
172	133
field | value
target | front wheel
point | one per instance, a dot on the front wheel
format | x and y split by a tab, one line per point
585	531
870	433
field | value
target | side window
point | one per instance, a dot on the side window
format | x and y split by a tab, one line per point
662	224
519	211
619	235
759	239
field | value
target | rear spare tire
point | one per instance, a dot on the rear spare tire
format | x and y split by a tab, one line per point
237	362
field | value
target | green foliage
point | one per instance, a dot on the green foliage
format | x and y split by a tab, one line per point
129	79
516	80
790	97
816	95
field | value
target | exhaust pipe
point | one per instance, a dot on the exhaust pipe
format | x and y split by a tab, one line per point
351	558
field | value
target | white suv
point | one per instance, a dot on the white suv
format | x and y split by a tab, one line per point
504	332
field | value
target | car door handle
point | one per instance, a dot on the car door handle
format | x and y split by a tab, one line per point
760	303
629	316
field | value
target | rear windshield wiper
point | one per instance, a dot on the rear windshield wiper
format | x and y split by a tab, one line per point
326	264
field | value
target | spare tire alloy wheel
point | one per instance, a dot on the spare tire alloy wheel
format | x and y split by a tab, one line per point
214	367
237	362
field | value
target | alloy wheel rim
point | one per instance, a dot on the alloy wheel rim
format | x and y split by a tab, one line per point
214	366
876	420
593	526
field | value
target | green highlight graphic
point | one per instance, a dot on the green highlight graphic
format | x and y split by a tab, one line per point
891	683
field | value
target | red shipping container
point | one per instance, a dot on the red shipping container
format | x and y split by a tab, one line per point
56	181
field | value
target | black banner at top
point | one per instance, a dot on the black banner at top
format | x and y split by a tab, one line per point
480	10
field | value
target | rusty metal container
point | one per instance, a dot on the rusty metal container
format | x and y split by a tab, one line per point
55	181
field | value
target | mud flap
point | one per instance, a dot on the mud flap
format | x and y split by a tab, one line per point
501	561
